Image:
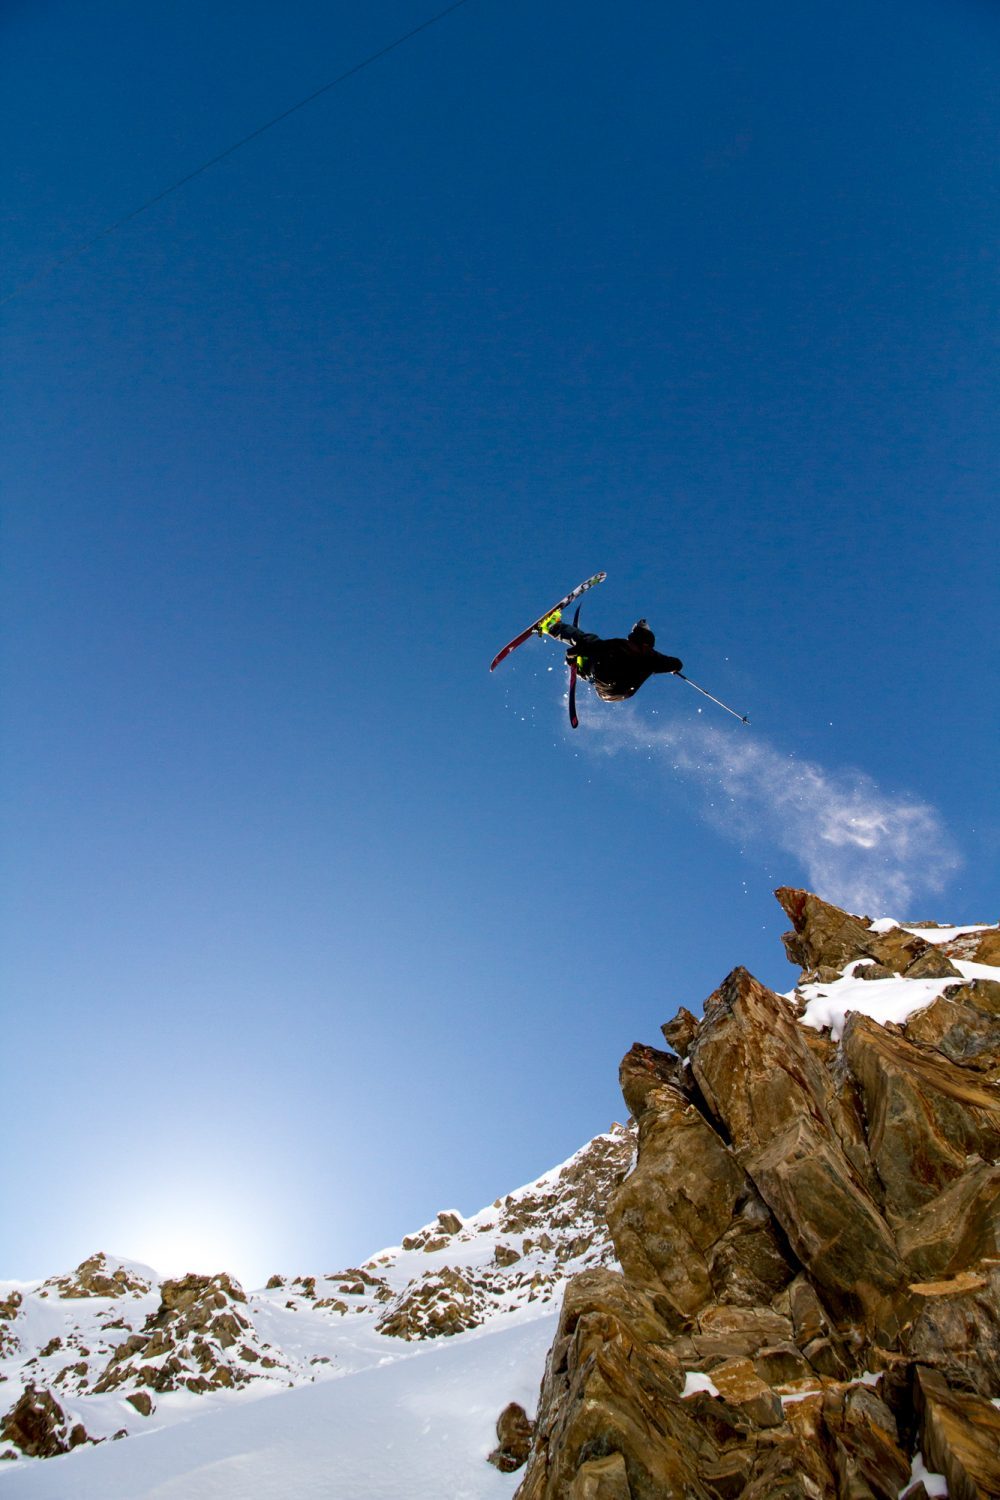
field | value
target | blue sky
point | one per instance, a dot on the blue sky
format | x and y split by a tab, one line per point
310	925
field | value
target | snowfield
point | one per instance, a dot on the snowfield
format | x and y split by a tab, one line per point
416	1427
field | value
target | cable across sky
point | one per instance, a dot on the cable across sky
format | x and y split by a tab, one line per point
213	161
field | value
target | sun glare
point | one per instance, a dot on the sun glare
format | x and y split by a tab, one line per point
190	1229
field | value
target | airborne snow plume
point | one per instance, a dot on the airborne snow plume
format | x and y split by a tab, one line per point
863	848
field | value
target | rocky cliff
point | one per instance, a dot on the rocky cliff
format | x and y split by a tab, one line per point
808	1300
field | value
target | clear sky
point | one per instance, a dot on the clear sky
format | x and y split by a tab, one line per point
311	926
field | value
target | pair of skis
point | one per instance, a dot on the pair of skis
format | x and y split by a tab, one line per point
535	627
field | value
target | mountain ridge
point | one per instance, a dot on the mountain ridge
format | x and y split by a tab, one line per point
112	1348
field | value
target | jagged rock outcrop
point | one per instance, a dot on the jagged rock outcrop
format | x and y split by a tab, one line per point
440	1303
199	1339
99	1275
37	1425
9	1308
809	1241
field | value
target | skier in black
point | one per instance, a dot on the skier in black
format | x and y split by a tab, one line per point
617	667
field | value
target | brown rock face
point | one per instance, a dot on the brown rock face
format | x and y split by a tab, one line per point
961	1436
959	1227
956	1329
789	1130
800	1212
675	1206
926	1116
612	1388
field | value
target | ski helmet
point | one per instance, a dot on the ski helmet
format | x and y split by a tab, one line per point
641	635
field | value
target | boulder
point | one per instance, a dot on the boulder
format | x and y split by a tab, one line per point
724	1332
933	964
738	1383
984	994
515	1430
902	951
602	1479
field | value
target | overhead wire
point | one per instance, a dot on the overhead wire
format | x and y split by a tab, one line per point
213	161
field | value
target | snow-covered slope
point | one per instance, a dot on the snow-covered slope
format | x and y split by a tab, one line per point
418	1427
381	1380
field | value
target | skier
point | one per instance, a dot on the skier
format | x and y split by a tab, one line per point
617	667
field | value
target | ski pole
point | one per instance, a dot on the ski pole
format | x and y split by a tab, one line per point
742	717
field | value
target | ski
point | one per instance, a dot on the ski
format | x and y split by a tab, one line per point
574	721
561	604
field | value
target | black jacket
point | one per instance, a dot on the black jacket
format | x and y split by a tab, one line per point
617	667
